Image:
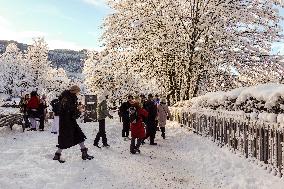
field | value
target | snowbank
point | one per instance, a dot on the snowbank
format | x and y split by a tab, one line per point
264	102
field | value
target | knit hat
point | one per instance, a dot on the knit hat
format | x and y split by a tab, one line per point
75	89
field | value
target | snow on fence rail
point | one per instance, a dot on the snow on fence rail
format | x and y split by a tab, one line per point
256	139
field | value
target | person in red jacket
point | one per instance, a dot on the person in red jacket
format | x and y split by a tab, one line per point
32	109
137	114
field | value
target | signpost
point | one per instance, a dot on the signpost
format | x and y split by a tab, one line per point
90	108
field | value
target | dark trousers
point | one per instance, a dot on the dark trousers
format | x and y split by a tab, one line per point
126	127
101	133
151	128
41	122
163	132
26	120
157	128
132	144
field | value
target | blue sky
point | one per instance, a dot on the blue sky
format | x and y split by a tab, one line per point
72	24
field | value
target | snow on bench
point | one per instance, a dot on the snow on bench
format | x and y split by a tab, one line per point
10	120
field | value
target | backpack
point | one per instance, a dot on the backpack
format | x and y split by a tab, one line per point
133	114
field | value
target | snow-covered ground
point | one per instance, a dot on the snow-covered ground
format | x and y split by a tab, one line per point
183	160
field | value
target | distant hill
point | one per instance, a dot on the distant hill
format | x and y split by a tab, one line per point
71	61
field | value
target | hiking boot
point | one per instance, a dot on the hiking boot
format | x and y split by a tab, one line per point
96	145
57	157
85	155
106	145
137	150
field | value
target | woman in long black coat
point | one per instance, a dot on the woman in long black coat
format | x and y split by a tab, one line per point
70	134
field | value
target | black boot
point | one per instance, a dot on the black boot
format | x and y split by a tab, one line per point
132	150
137	150
85	155
57	157
97	145
106	145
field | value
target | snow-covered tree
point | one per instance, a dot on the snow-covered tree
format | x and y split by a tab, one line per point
38	64
31	71
99	75
56	81
180	42
104	75
13	74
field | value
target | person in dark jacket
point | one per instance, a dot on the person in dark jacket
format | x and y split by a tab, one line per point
70	134
151	126
23	108
103	113
42	112
124	114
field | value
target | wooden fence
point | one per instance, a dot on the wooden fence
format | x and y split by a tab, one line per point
254	139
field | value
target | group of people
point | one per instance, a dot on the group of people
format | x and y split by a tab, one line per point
34	110
139	113
140	116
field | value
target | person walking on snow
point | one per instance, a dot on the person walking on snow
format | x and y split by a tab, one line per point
137	114
103	113
124	114
70	134
163	114
151	125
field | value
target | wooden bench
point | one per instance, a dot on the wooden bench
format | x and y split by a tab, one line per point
11	119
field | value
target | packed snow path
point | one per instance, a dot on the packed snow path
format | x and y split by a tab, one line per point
183	160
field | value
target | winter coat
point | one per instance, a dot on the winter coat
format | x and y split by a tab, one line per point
151	108
137	129
32	107
70	133
33	103
103	110
123	111
163	113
